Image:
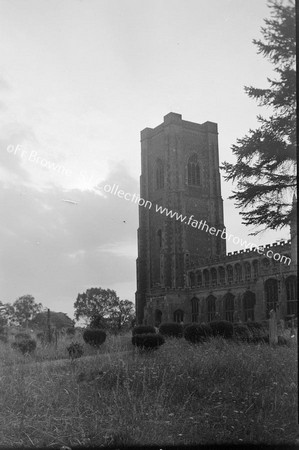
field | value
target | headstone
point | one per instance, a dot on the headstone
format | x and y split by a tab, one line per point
281	325
292	327
273	328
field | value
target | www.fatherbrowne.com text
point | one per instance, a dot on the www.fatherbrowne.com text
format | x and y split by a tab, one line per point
201	225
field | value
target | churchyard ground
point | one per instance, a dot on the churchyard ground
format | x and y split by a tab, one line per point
180	394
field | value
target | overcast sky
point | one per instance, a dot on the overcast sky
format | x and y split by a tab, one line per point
78	81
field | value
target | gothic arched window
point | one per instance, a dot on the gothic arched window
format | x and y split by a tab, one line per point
229	307
192	279
214	276
248	306
178	316
160	174
195	309
211	308
221	275
255	266
238	270
206	276
230	274
271	294
247	268
199	278
158	317
193	171
291	288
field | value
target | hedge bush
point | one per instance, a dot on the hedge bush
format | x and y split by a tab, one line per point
222	328
75	350
207	329
94	336
196	333
143	329
171	329
255	325
187	325
241	332
150	341
25	346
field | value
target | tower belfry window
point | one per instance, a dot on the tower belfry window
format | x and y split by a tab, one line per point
193	171
160	174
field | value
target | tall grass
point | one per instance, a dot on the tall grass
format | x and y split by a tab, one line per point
57	350
218	392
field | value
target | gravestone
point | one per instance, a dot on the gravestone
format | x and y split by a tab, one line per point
292	326
281	326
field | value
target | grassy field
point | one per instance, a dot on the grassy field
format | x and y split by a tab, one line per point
218	392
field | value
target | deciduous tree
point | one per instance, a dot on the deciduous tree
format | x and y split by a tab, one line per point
101	308
6	313
25	308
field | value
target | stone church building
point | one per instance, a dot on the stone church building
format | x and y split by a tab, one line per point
184	273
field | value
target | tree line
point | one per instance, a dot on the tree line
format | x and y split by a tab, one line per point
97	307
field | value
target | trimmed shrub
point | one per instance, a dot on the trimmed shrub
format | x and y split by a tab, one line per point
187	325
94	337
241	332
196	333
25	346
207	329
150	341
75	350
171	329
143	329
222	328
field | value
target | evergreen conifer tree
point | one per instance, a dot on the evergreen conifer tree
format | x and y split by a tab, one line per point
265	169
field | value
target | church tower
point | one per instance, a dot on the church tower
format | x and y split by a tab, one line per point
180	172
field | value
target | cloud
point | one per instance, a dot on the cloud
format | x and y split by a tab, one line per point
14	139
54	249
4	85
